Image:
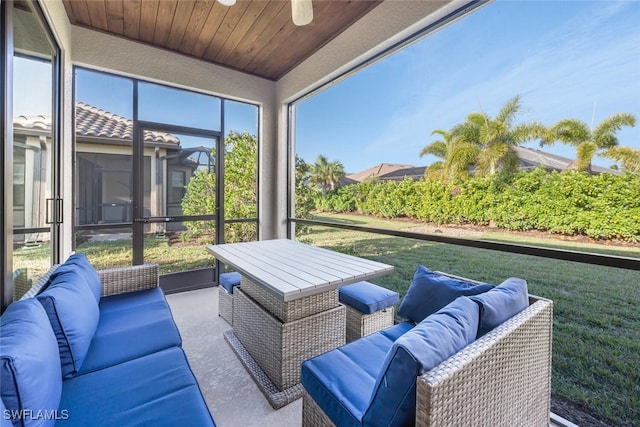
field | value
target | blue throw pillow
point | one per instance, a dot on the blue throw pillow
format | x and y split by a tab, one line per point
431	342
430	291
73	313
30	377
80	262
502	302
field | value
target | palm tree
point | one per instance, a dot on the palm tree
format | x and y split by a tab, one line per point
456	157
326	174
629	157
497	137
587	141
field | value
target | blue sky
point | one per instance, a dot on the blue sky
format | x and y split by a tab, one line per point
115	95
566	59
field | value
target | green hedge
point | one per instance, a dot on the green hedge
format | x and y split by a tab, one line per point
602	206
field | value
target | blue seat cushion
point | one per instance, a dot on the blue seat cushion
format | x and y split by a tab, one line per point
229	280
73	313
88	273
155	390
502	302
432	341
430	291
131	325
367	297
30	376
341	380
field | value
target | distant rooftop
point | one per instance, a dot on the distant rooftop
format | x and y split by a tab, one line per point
529	159
388	171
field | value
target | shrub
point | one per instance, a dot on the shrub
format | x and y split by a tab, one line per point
602	206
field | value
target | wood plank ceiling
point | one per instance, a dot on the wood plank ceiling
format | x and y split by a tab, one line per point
253	36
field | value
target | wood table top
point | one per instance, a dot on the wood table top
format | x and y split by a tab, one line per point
293	270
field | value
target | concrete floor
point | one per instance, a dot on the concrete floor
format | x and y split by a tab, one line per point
232	396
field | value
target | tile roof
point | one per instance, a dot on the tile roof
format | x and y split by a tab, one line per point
42	123
93	122
531	158
378	171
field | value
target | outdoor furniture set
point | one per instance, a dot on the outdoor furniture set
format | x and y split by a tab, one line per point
96	348
287	309
468	354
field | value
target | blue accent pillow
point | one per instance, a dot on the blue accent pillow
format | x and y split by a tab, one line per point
73	313
430	291
367	297
434	340
502	302
30	377
86	270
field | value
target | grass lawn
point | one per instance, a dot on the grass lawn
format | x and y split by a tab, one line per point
596	342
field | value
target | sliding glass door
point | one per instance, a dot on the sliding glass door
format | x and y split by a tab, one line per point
176	196
32	201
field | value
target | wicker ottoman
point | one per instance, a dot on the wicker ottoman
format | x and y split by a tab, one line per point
369	308
225	295
278	347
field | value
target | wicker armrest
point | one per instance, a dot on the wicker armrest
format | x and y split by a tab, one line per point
128	279
501	379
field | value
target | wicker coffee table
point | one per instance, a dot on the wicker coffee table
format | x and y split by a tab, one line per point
287	307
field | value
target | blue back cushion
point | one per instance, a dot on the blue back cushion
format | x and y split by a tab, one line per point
430	291
502	302
367	297
438	337
30	377
73	312
89	274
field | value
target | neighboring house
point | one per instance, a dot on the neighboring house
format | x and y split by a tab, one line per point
529	160
104	183
388	172
31	171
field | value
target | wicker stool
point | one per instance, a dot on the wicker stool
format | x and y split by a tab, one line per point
225	295
369	308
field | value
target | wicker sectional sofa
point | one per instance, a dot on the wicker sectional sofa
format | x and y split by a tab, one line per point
96	348
479	360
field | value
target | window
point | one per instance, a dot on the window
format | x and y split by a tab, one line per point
176	191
